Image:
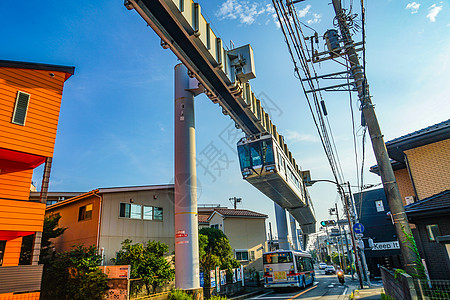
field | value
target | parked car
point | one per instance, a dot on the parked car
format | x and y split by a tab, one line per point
322	266
330	270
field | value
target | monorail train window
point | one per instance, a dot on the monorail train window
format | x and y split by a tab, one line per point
255	151
267	151
256	154
244	156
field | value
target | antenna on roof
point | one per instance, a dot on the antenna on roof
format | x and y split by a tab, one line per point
235	201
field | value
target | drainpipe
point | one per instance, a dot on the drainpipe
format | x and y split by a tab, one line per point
99	221
408	168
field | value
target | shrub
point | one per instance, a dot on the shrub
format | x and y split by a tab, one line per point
74	275
179	295
218	298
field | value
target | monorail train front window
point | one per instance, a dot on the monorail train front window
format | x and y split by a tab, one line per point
256	154
267	150
244	156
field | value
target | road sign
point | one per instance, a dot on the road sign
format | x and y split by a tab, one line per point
358	228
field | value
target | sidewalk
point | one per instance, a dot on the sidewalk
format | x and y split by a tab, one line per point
368	294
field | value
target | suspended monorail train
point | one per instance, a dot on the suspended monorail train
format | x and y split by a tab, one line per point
265	164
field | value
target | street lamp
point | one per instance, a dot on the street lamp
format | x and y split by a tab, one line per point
309	182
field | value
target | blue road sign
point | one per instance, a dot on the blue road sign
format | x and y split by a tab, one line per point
358	228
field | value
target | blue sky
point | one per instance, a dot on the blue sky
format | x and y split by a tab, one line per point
116	121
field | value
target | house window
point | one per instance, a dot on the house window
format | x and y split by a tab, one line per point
252	255
85	212
215	226
20	108
130	211
2	251
148	213
242	254
433	232
157	213
153	213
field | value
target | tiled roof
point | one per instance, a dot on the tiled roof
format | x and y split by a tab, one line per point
425	131
226	212
439	202
396	147
203	218
431	134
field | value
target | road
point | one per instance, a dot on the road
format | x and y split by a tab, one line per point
326	287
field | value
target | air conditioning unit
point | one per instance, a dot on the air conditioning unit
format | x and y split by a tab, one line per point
409	200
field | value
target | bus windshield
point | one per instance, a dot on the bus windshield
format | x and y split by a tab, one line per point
278	258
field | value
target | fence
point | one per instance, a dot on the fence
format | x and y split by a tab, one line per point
138	289
432	289
401	288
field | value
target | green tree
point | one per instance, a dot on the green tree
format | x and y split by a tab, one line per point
50	231
215	250
74	275
147	262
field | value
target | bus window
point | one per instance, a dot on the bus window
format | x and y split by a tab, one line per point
244	156
309	266
278	258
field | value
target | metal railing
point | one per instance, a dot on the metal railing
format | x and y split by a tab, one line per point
432	289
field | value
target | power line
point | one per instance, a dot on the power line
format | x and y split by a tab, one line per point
294	38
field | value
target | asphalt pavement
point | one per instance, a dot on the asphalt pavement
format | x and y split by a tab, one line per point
326	287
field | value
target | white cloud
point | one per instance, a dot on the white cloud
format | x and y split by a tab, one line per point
244	11
292	136
413	6
433	11
302	13
248	11
316	19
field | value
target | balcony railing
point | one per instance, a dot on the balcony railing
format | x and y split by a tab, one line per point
20	279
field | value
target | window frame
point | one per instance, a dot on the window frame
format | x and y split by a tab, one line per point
130	218
143	213
15	108
236	251
83	215
2	251
428	230
153	215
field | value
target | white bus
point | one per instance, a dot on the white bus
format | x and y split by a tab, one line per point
285	268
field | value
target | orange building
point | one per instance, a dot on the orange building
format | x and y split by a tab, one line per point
30	100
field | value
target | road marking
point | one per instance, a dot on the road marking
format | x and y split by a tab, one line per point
257	297
345	291
313	287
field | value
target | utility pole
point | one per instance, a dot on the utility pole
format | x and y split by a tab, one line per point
340	237
379	148
235	201
350	228
360	241
270	237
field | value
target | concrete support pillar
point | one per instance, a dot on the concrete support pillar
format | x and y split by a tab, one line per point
282	229
186	219
294	232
